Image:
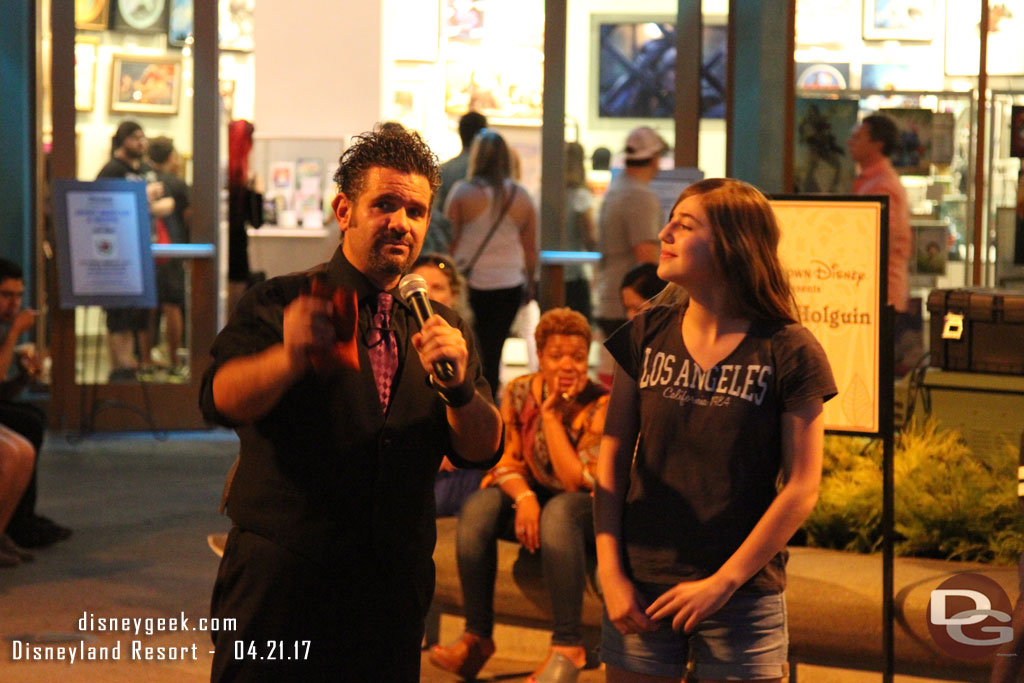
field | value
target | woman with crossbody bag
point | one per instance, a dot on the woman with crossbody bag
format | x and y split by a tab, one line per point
494	243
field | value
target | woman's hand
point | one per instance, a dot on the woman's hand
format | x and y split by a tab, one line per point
690	602
624	604
557	402
528	523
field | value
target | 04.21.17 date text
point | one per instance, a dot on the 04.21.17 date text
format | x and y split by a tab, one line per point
272	650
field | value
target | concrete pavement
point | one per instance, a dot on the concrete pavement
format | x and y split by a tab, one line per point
141	510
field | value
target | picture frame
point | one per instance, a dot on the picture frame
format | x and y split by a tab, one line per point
494	62
822	75
236	24
911	20
820	160
963	42
890	77
180	24
914	155
140	16
409	104
931	249
92	15
633	74
144	84
85	74
1017	131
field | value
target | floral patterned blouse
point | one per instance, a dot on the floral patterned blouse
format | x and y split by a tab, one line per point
531	460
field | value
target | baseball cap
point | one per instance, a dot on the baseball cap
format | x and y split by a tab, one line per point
644	143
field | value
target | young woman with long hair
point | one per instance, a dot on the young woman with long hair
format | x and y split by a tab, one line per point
718	392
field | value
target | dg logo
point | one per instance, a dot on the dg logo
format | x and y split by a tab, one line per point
969	616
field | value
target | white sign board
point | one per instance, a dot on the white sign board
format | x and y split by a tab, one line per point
104	244
104	253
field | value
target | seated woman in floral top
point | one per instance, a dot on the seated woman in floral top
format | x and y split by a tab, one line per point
537	494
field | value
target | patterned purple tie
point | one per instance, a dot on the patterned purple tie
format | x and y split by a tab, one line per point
383	349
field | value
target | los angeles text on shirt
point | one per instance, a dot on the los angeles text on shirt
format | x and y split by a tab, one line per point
747	382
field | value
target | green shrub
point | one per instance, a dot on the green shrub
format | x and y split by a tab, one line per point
951	503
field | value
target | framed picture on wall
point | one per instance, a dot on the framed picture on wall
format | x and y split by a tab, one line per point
822	76
409	107
899	20
93	15
1017	131
891	77
914	155
494	62
820	160
963	42
85	74
140	16
237	19
930	249
635	59
148	85
179	25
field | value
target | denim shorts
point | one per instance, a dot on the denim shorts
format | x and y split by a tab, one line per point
746	639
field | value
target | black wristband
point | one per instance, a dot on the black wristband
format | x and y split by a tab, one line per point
456	397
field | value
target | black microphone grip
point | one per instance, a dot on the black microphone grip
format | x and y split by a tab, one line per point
444	369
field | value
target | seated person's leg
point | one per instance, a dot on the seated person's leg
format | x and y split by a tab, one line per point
566	531
25	527
17	458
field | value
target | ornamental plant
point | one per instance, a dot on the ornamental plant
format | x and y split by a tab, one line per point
951	502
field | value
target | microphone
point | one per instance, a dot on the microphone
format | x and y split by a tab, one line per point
413	288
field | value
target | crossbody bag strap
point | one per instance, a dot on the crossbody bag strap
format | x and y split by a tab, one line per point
480	250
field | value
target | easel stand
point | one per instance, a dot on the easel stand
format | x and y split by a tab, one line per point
89	404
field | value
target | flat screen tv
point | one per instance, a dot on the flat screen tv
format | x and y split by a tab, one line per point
636	69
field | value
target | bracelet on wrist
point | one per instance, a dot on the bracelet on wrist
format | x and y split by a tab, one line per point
456	397
522	496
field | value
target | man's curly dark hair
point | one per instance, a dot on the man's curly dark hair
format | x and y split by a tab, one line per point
387	146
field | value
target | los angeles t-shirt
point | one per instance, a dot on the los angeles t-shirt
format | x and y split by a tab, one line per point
710	447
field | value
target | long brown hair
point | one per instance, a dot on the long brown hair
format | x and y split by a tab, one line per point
744	246
490	162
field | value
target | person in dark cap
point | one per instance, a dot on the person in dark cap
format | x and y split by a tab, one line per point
129	327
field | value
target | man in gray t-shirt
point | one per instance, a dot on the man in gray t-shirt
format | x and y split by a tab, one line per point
628	225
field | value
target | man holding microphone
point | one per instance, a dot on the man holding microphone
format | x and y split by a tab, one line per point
343	423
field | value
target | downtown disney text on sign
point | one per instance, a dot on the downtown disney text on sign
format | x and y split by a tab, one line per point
832	251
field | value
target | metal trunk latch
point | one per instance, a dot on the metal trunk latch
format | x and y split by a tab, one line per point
954	327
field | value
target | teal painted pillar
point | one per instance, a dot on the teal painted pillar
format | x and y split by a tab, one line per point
17	134
760	109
